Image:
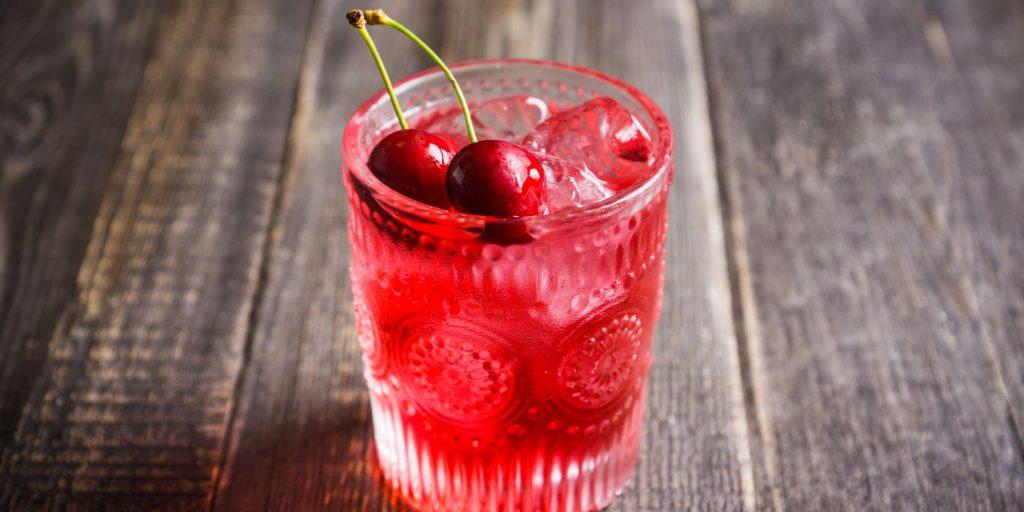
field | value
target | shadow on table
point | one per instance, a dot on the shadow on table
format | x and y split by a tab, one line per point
309	462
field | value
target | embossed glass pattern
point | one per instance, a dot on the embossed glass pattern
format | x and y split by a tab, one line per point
506	377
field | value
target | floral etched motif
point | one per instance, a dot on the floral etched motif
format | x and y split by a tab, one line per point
459	379
599	367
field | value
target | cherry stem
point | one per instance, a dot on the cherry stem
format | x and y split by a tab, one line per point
357	19
379	17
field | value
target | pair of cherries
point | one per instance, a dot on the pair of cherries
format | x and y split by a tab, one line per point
489	177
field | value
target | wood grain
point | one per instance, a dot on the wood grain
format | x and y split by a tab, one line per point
990	147
137	384
302	436
872	167
65	69
695	453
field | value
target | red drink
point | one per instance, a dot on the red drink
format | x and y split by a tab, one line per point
507	360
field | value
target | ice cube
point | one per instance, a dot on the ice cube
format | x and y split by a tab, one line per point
446	121
570	185
508	119
600	136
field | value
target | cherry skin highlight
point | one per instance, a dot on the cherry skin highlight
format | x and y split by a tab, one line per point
414	163
496	178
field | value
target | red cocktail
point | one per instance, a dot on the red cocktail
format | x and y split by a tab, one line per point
507	358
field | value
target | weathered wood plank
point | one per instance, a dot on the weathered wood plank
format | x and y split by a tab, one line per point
874	196
65	69
302	439
987	49
138	381
695	453
302	436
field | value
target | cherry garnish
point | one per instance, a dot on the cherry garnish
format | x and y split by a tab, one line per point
413	163
496	178
490	177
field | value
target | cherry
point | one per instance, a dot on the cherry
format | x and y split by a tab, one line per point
413	163
496	178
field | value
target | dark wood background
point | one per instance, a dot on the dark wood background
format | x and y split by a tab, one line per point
844	307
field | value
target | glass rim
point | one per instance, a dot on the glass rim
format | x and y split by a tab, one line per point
660	163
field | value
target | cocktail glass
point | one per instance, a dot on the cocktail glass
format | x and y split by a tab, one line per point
506	360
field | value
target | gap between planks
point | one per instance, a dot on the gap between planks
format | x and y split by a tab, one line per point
725	231
302	103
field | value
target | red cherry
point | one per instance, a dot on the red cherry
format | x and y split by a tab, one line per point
496	178
413	163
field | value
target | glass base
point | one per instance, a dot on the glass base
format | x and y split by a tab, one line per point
535	475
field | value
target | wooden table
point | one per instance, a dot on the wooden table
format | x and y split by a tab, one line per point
843	323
